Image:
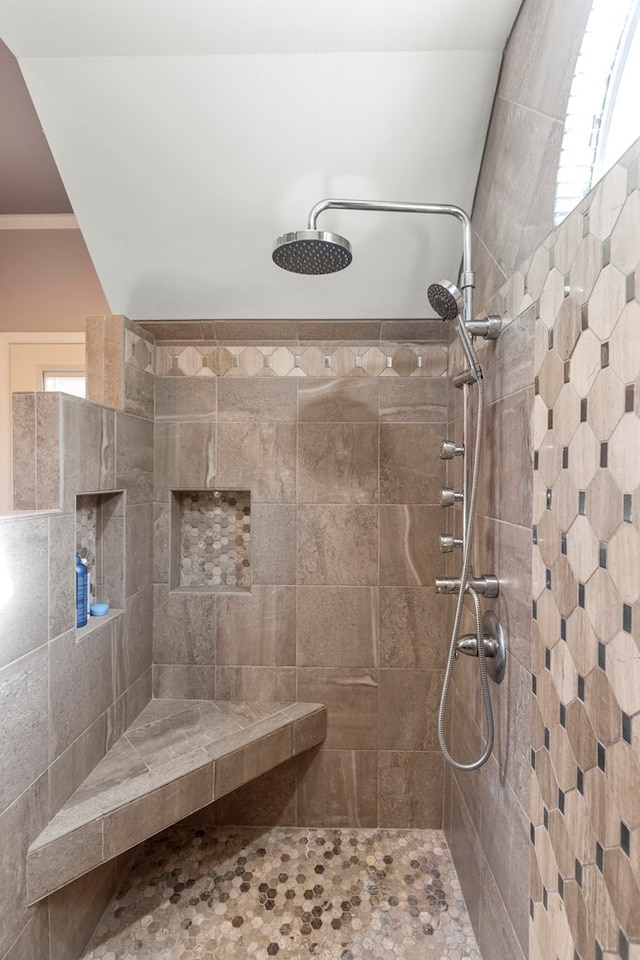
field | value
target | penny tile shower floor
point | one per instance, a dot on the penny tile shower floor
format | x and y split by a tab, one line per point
233	893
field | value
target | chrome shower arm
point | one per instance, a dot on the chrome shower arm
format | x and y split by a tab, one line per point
392	206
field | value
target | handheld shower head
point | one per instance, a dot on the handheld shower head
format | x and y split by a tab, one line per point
312	252
448	302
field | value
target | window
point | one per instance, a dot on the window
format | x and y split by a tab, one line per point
65	381
603	117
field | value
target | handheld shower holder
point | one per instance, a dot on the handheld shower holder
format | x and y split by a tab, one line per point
486	585
488	329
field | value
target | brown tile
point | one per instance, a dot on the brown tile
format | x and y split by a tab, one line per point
23	723
349	331
254	400
424	400
338	788
139	547
506	493
351	698
134	459
337	463
185	398
23	627
184	680
273	543
33	940
345	400
276	684
413	627
410	789
338	544
410	468
63	859
267	800
466	851
185	456
81	684
71	926
142	818
258	629
20	824
23	453
404	531
495	933
260	457
252	760
404	723
184	626
337	626
138	391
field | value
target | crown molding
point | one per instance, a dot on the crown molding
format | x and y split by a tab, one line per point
38	221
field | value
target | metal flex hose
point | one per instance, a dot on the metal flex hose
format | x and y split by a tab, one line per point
464	575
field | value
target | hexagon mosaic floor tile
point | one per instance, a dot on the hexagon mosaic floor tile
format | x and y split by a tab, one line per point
229	893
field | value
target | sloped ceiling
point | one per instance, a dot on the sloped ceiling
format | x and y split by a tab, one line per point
189	135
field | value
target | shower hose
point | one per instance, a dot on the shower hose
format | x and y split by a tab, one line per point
464	589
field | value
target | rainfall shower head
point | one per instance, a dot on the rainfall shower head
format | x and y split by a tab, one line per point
446	300
312	252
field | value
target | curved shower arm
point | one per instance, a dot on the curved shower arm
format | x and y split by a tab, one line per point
391	206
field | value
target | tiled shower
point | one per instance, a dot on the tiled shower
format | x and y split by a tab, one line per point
334	431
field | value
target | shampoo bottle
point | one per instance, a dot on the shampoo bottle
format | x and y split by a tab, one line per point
81	592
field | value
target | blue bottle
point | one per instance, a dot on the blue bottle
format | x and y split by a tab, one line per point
81	592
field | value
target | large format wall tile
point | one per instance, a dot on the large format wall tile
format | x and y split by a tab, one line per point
257	629
260	457
24	624
23	723
337	627
337	463
337	544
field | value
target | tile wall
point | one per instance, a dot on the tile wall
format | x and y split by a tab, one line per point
585	806
338	443
65	697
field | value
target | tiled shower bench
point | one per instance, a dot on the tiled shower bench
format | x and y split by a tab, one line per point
175	758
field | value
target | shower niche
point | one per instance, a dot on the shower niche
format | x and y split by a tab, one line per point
100	542
211	541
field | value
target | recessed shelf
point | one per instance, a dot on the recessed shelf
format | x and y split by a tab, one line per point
100	541
211	541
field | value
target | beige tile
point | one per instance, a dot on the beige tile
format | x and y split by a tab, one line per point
267	800
410	468
338	545
410	789
235	769
185	456
23	548
346	400
607	201
185	398
337	463
308	730
134	458
23	452
338	788
273	543
24	723
258	629
404	532
63	859
413	628
71	926
274	684
337	626
625	244
414	401
607	301
256	400
184	680
260	457
184	626
404	720
351	698
152	813
81	684
139	547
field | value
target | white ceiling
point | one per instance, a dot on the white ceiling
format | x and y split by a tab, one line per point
190	134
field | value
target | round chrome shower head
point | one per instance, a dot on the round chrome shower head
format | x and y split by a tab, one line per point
446	299
312	252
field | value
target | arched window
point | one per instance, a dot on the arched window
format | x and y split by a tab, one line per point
603	113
